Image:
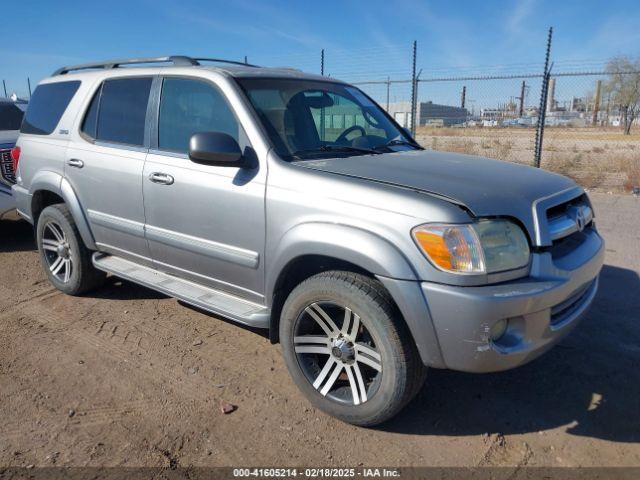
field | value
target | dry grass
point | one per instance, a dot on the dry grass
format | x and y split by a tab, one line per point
631	168
468	146
581	133
601	158
574	168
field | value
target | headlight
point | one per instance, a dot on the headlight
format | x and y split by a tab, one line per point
487	246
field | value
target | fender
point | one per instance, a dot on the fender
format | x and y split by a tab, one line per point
56	183
374	254
350	244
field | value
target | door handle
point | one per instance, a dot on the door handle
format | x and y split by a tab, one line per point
74	162
161	178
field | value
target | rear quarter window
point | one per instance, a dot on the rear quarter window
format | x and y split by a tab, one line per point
48	103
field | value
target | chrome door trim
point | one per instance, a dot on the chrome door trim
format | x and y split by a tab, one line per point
220	251
116	223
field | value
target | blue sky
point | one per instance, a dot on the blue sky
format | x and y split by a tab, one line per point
362	39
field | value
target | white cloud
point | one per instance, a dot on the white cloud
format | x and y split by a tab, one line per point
516	19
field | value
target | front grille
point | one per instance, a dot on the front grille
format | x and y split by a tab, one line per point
6	167
569	218
564	310
561	208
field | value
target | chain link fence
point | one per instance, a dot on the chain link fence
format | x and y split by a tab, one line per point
571	108
567	116
498	117
584	133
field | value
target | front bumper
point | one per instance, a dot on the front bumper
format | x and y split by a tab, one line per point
541	310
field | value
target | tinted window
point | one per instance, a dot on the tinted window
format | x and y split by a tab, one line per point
48	103
314	119
10	116
122	110
91	118
188	107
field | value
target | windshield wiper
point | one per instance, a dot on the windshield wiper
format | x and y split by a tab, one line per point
398	141
334	148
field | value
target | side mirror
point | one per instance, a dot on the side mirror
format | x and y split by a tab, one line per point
215	148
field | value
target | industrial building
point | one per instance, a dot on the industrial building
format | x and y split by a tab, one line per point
428	113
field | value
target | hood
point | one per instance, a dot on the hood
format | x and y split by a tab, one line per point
8	136
485	187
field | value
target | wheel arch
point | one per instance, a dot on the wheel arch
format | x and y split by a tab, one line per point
313	248
49	188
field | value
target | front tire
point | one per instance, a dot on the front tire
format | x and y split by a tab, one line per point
64	256
348	349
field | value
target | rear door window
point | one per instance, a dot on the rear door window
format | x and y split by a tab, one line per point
47	104
122	110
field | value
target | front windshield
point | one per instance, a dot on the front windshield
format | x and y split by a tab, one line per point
10	116
317	119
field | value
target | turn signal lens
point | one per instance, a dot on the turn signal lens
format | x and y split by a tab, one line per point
453	248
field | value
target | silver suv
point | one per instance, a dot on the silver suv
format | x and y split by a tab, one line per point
294	203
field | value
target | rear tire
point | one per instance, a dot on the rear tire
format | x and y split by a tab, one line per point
348	349
64	256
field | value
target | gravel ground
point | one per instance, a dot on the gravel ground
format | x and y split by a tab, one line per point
127	377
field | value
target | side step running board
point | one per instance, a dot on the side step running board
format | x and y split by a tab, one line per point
214	301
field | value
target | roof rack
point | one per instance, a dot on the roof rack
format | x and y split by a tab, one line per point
232	62
177	60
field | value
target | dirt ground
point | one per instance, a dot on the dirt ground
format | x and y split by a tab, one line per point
127	377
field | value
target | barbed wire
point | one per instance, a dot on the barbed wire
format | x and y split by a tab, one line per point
493	77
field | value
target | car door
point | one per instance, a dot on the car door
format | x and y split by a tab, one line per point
105	167
204	223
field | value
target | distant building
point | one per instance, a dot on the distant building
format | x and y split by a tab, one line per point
428	113
562	118
492	114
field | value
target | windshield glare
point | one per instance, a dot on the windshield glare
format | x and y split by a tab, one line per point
316	119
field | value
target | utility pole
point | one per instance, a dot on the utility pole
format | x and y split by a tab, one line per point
596	102
464	96
522	92
551	94
322	62
4	85
29	85
245	60
388	87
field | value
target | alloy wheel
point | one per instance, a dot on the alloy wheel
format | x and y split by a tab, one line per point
337	354
57	251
